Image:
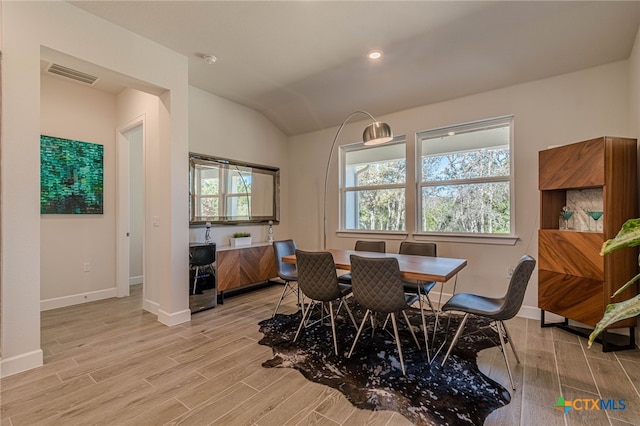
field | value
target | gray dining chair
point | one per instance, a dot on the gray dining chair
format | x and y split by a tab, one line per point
318	281
377	286
496	309
286	271
363	245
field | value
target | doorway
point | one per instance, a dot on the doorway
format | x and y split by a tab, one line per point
131	206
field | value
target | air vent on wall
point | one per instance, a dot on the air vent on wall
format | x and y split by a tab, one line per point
72	74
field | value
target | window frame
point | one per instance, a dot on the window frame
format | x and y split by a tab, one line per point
343	189
496	238
224	196
197	193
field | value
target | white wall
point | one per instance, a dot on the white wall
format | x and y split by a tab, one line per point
554	111
26	27
226	129
72	111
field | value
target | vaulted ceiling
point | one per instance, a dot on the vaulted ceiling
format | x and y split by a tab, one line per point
303	64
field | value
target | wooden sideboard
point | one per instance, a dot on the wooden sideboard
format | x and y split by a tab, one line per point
574	281
240	268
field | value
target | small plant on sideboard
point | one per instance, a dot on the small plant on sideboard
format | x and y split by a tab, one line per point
240	239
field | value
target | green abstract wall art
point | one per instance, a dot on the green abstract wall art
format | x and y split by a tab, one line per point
71	176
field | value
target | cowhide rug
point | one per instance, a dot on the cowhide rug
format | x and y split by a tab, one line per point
456	394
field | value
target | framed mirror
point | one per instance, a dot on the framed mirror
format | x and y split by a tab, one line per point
229	192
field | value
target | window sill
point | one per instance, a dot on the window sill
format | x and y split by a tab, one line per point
504	240
392	235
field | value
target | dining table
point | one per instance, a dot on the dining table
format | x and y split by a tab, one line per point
423	268
414	267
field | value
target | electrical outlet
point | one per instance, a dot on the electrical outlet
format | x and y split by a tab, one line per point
86	267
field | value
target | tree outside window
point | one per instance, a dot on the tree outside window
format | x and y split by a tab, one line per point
373	187
465	184
220	191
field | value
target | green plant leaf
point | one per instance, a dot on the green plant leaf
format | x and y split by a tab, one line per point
629	236
616	312
624	287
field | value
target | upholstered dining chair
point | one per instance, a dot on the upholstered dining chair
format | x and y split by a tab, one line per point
496	309
318	281
202	257
377	286
418	287
362	245
286	271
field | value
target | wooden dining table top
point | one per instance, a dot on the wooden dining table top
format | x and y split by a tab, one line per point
425	268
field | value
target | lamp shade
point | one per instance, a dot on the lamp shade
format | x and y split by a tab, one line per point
377	133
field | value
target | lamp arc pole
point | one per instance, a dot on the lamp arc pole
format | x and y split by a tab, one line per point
375	133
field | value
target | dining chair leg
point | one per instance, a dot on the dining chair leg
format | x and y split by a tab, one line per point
304	316
374	320
503	348
395	332
433	310
346	305
333	328
455	338
424	324
437	317
195	279
288	289
364	320
513	348
415	339
284	292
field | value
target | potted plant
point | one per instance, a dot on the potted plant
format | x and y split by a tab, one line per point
240	239
629	236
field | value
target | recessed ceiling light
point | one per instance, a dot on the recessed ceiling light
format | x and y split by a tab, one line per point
210	59
374	54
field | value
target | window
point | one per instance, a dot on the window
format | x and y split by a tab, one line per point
373	187
465	178
220	191
207	191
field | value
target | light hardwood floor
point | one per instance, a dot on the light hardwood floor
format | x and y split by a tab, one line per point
110	363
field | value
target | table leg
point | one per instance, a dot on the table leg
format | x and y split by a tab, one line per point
437	315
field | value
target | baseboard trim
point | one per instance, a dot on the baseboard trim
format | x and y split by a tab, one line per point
533	312
150	306
19	363
174	318
76	299
136	280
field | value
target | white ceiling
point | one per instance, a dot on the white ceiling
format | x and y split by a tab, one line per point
302	63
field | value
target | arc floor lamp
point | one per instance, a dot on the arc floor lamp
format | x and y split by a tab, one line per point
375	133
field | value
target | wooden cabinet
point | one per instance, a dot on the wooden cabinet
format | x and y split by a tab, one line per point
241	267
574	281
